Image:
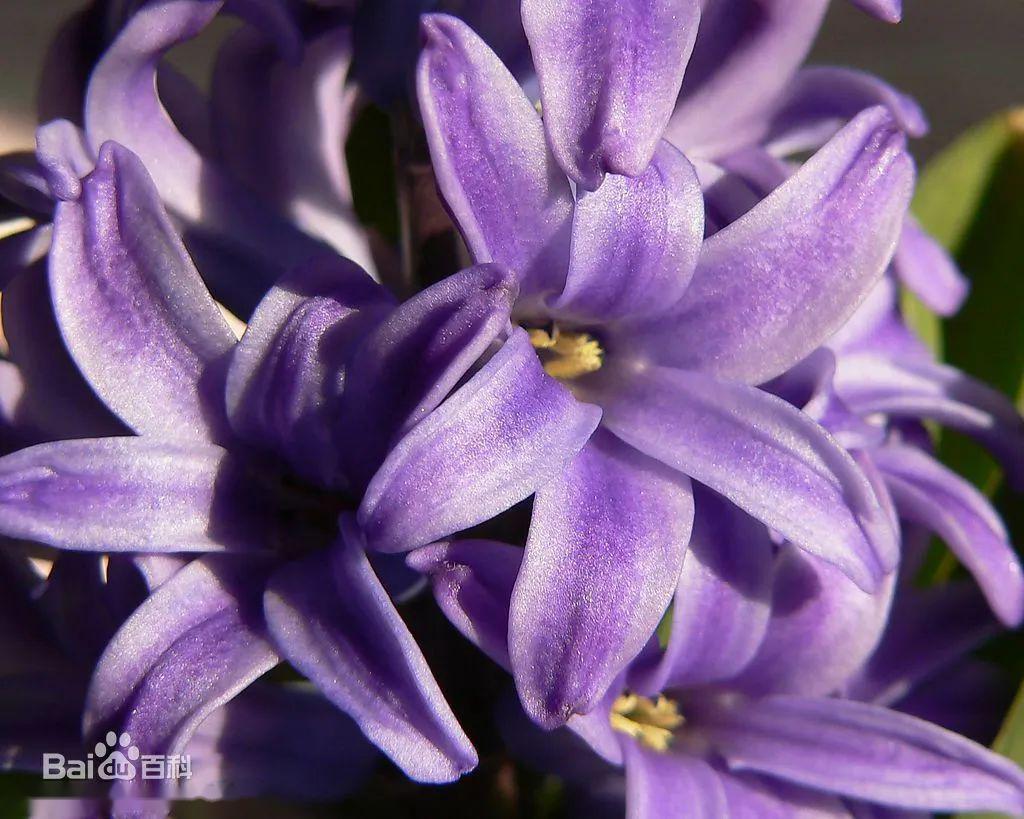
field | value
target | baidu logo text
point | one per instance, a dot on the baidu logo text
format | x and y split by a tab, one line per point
117	759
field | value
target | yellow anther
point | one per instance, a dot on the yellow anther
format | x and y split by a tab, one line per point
567	355
649	722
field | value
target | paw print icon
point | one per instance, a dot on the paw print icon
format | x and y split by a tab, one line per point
118	755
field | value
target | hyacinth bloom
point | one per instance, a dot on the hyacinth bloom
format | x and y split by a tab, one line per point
668	334
239	451
734	716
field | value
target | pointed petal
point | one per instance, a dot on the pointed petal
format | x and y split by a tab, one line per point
134	313
490	445
330	617
605	548
634	242
609	75
286	374
776	283
926	268
407	366
865	752
891	11
659	784
129	494
507	195
199	637
722	601
929	494
762	454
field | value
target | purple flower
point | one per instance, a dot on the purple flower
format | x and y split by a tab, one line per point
239	453
669	335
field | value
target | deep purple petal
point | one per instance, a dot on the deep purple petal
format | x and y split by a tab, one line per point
635	242
495	172
865	752
134	313
776	283
609	75
606	544
407	366
764	455
490	445
130	494
659	784
330	617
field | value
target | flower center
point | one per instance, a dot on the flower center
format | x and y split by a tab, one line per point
566	355
649	722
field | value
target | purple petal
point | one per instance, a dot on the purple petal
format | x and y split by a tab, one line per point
765	456
888	10
924	266
606	544
609	75
192	646
659	784
134	313
776	283
22	250
130	494
498	438
408	365
912	388
287	373
472	581
331	618
635	242
929	494
822	629
745	57
495	172
65	158
865	752
722	601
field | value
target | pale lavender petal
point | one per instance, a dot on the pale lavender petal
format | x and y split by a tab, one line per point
330	617
498	438
609	75
407	365
933	496
192	646
758	797
822	629
659	784
130	494
864	752
286	375
635	242
888	10
914	388
762	454
924	266
64	157
776	283
606	544
133	310
507	195
722	601
745	56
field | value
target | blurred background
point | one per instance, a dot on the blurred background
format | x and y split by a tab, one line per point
961	59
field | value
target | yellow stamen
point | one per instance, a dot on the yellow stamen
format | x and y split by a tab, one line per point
567	355
649	722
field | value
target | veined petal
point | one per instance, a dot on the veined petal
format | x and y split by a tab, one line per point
722	600
498	178
199	637
635	242
490	445
776	283
133	310
605	548
286	375
762	454
659	784
129	494
745	57
609	75
933	496
407	366
330	617
864	752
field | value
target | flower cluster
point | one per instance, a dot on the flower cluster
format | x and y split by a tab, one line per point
629	398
